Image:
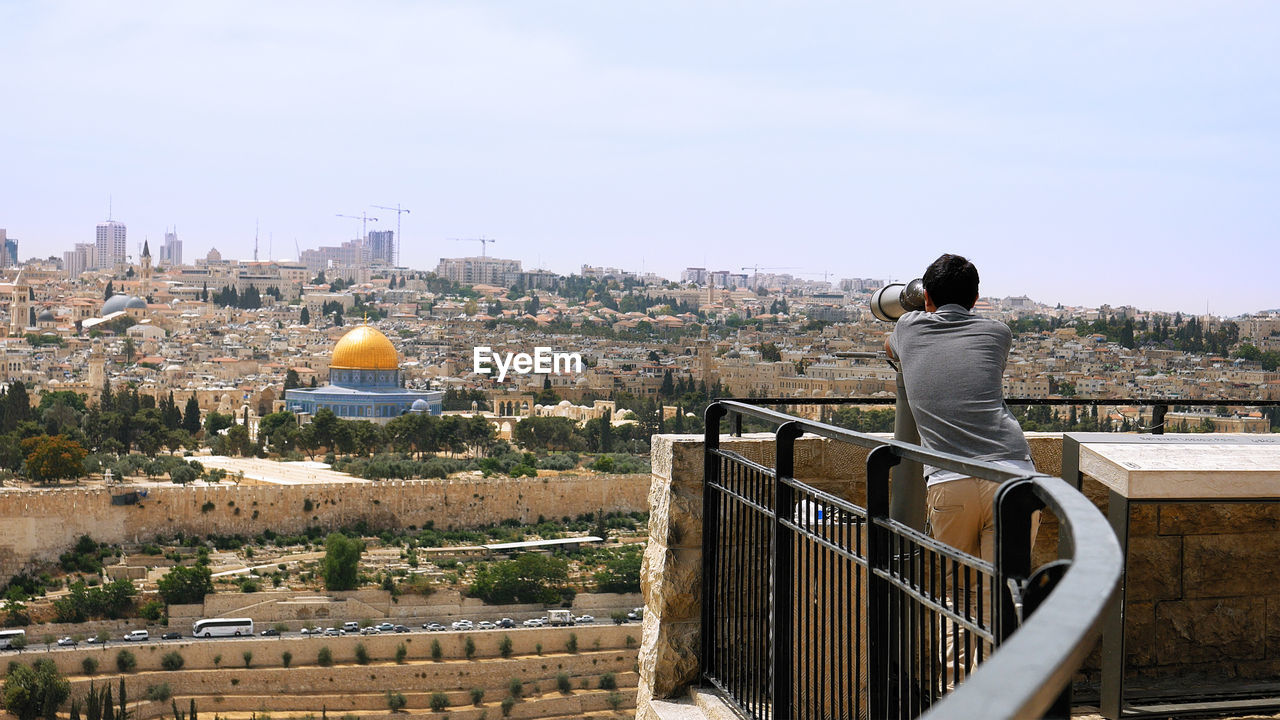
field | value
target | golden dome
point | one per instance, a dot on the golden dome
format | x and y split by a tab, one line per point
364	348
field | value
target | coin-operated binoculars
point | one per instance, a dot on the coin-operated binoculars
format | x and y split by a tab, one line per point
907	488
897	299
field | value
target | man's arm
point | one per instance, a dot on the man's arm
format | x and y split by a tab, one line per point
888	348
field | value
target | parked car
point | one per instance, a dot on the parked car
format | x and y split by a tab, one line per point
505	623
334	632
584	619
370	631
95	640
351	626
174	636
67	642
137	636
385	627
636	614
486	625
533	622
433	626
463	625
270	632
401	628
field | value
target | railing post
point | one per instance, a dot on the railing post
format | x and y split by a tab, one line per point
782	582
710	529
1157	418
879	634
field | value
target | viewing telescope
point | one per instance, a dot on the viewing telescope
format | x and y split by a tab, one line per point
896	299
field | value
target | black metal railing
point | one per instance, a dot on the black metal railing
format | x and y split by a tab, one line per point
1159	406
814	607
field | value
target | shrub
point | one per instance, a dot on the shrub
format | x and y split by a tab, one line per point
324	658
563	683
217	660
618	618
504	646
572	643
248	658
515	686
362	654
469	648
608	681
89	665
439	701
615	700
477	696
126	662
538	648
401	653
631	641
286	658
396	701
507	704
172	661
152	610
159	693
436	651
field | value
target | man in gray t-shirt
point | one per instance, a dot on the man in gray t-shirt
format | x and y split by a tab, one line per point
953	365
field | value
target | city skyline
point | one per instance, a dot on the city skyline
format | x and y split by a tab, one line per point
1084	155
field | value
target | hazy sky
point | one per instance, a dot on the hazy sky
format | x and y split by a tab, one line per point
1079	152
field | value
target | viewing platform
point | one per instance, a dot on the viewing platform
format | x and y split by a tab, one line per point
1202	566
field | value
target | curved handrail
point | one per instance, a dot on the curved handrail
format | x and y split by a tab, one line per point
1030	668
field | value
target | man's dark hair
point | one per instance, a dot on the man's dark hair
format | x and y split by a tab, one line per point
952	279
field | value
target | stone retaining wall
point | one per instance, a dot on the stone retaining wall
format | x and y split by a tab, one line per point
36	526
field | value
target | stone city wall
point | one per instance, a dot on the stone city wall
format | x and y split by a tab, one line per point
38	525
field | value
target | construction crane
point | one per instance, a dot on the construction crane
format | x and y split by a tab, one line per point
364	222
398	211
757	268
484	242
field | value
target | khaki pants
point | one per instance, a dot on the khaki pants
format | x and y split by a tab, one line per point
962	515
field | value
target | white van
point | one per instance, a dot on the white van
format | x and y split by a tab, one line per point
351	626
137	636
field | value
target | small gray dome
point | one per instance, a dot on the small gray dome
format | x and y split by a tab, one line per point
45	316
115	303
419	406
136	303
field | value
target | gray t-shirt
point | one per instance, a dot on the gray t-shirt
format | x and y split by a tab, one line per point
953	365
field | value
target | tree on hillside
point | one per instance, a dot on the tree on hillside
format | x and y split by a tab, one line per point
341	564
529	578
53	457
35	691
191	415
185	585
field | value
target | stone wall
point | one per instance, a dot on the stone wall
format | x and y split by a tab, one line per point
1200	599
38	525
227	685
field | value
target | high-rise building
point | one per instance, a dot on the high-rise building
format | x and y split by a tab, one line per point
382	247
8	250
80	259
171	250
487	270
111	247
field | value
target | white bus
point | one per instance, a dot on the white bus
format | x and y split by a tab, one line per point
7	637
222	627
